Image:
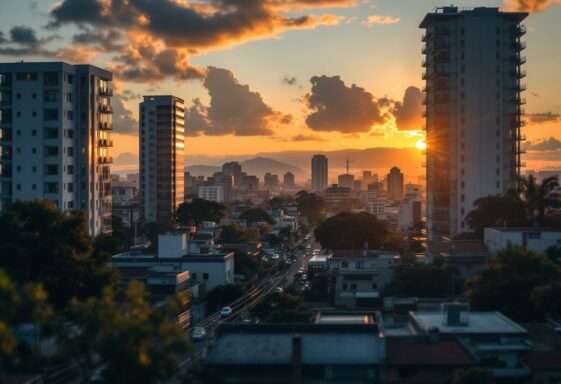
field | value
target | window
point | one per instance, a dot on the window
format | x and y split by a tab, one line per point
18	187
51	133
344	264
71	205
50	114
374	286
70	169
34	114
34	132
51	151
345	286
26	76
34	187
353	287
50	96
70	151
69	97
51	187
33	95
50	78
205	276
51	169
70	187
69	115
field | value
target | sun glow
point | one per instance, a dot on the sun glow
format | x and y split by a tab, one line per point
421	145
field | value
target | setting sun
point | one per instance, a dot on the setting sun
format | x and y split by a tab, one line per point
421	145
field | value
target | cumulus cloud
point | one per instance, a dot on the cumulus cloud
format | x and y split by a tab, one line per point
409	113
334	106
544	145
234	109
123	119
374	20
169	31
545	117
529	5
23	41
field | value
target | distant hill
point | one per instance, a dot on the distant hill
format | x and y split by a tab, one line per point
202	170
261	165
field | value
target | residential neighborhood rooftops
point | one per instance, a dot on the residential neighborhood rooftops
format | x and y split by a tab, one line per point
477	323
406	352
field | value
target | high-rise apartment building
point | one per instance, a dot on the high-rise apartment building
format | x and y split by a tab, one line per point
289	180
473	110
320	173
395	184
162	157
55	124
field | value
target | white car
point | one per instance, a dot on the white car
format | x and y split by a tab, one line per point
198	333
225	312
279	290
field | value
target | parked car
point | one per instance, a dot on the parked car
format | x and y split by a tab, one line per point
226	311
279	290
198	333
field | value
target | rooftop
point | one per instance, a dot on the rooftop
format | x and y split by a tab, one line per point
524	229
416	352
478	323
442	13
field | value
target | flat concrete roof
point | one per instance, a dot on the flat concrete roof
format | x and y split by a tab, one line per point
478	323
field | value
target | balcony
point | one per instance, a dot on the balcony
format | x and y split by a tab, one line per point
105	143
105	160
520	30
106	91
105	126
103	108
424	64
519	45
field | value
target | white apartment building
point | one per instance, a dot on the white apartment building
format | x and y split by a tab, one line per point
211	193
162	157
320	173
55	124
473	110
532	239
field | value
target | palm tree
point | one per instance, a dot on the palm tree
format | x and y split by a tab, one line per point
537	196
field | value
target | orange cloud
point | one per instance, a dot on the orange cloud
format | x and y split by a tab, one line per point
374	20
529	5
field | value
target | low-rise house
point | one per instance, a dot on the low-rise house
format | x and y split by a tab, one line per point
494	341
209	269
532	239
360	276
297	353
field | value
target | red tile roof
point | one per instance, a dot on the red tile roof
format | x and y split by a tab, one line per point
422	352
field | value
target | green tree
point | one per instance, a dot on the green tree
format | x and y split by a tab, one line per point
545	300
254	216
247	265
423	280
473	376
39	243
234	234
352	231
311	206
538	197
497	210
20	305
281	308
133	341
199	210
508	282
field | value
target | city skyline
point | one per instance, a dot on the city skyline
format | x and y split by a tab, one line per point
269	72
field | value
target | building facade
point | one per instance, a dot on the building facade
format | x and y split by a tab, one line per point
395	184
473	110
55	125
212	193
162	157
320	173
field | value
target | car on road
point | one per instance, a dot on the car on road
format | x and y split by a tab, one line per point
304	277
198	333
279	290
226	311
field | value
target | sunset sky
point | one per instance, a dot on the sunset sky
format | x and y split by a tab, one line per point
275	75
